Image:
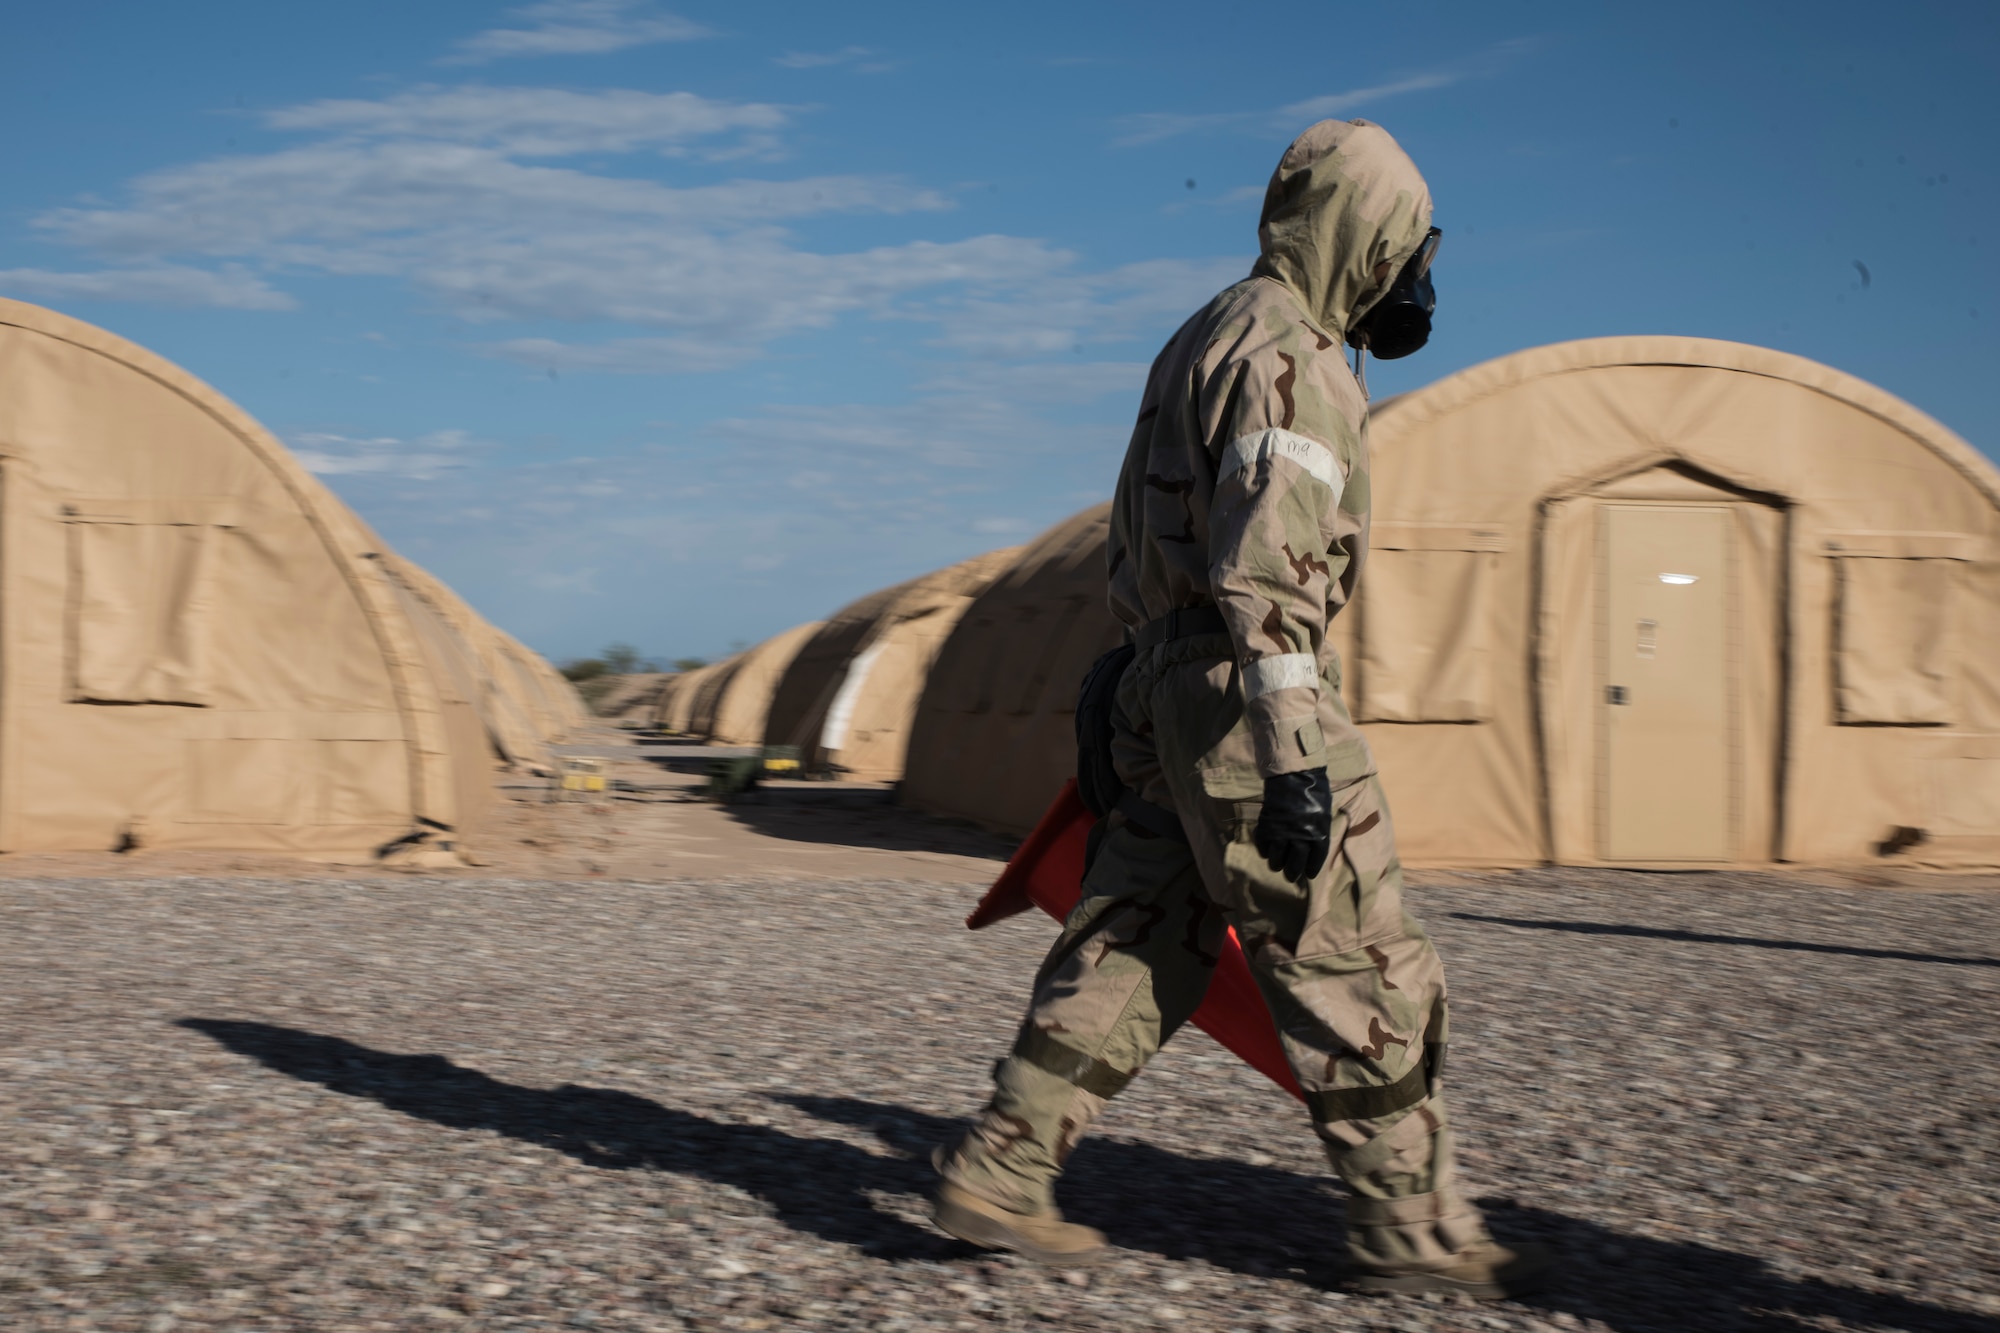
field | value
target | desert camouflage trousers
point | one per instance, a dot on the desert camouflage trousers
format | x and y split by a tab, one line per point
1354	984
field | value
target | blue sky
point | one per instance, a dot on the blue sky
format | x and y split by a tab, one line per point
681	325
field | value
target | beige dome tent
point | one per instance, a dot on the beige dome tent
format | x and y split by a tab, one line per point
1653	601
745	700
866	735
682	693
634	698
474	730
992	739
664	701
1669	601
559	710
202	646
708	694
817	700
519	725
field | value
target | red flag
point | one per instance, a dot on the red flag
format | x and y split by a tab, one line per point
1047	872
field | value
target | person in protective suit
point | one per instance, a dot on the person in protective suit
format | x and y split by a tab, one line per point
1237	533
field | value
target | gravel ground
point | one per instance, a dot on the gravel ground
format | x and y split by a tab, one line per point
1731	1101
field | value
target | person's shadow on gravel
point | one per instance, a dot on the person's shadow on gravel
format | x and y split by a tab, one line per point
1260	1221
1270	1221
815	1185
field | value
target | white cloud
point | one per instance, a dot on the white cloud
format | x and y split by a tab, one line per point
544	122
1040	383
771	518
230	288
576	28
1228	201
1064	311
968	417
1153	126
450	191
577	581
491	238
358	207
421	459
821	59
1333	104
1031	303
624	356
1146	127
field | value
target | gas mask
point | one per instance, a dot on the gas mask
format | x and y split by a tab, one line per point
1400	322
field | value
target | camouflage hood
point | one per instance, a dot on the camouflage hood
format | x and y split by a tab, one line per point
1344	199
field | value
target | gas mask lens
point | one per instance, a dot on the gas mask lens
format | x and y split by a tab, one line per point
1400	322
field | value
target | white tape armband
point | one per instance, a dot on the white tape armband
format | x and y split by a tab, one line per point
1246	451
1286	671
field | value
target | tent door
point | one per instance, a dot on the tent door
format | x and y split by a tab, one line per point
1667	771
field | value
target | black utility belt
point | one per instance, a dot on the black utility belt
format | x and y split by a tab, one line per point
1185	623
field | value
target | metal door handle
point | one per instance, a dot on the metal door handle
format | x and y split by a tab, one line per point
1617	694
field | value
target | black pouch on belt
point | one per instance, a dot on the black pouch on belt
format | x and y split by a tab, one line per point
1097	780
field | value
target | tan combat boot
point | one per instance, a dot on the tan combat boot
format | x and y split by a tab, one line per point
1484	1271
1435	1242
1043	1237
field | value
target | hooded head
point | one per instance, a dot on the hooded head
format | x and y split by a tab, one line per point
1345	210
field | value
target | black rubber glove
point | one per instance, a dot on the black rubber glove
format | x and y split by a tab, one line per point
1295	831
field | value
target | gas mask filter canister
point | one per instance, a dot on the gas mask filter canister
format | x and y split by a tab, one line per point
1400	322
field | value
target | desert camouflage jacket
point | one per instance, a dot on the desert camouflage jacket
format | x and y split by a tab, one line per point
1245	484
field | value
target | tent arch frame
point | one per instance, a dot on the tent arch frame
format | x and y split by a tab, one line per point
1424	405
433	801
